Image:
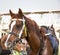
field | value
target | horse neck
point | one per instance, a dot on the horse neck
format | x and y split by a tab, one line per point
33	32
32	26
28	23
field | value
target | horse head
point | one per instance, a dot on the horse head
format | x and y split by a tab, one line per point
17	22
23	27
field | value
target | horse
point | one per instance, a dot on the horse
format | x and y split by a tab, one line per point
4	51
52	37
23	27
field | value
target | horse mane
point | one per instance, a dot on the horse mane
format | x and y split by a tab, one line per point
34	26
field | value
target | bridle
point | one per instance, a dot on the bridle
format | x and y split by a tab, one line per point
18	36
23	20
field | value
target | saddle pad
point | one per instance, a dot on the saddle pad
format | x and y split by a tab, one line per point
53	41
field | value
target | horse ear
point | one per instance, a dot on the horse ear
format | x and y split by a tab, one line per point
52	26
20	12
11	13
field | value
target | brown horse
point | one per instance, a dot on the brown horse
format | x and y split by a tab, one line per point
53	32
50	32
51	28
23	27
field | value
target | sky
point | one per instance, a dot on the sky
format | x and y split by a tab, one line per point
29	5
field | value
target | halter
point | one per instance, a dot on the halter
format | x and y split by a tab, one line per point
20	33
